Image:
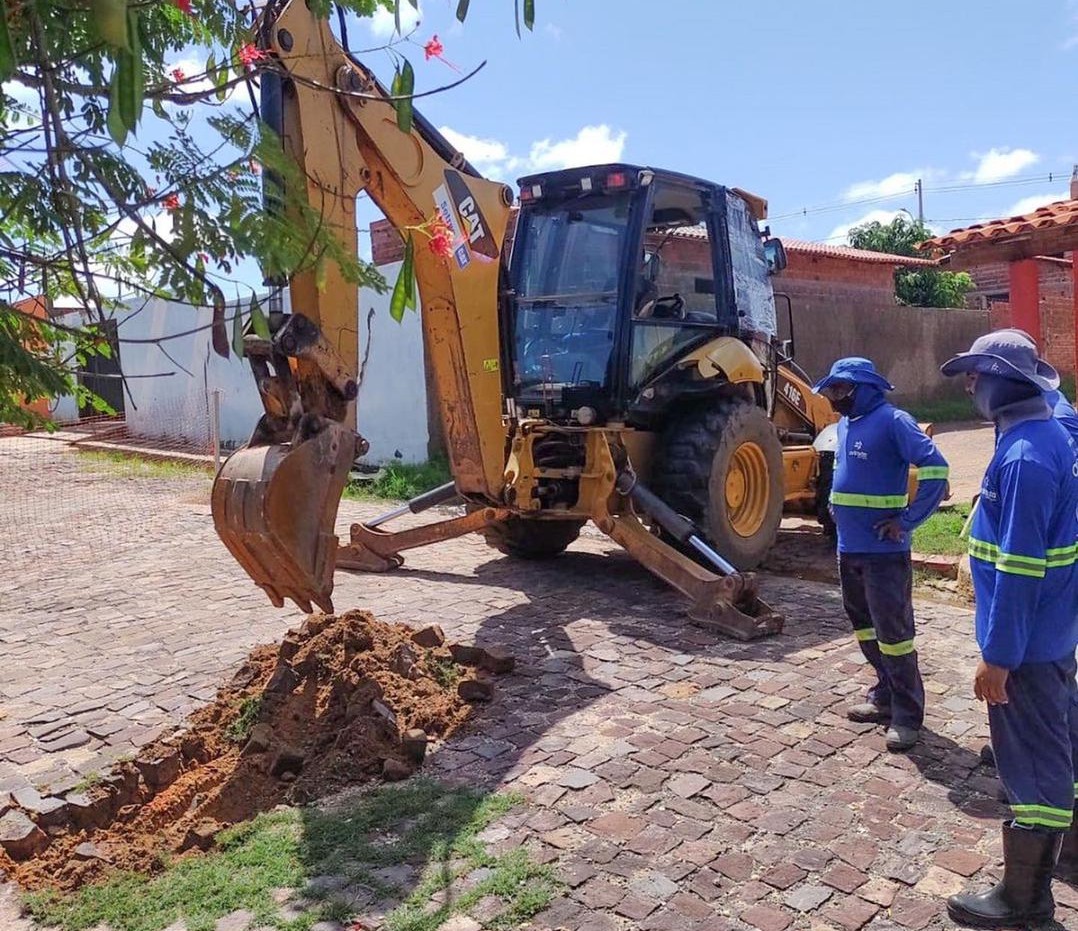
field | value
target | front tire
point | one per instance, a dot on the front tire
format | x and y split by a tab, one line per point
722	468
522	538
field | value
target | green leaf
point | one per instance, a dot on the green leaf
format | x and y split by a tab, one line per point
462	9
405	282
259	323
529	13
405	90
115	121
516	15
218	334
409	260
397	15
137	88
7	47
110	18
237	333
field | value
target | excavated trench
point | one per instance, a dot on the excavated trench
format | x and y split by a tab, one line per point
341	700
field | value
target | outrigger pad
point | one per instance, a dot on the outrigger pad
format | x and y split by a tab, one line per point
733	609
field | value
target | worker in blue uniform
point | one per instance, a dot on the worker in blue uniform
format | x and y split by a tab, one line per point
877	444
1064	412
1024	563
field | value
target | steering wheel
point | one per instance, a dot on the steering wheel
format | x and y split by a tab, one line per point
670	306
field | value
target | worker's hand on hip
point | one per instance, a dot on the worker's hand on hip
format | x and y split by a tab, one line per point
990	683
889	529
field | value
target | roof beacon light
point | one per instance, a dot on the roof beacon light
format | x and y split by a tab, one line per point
616	180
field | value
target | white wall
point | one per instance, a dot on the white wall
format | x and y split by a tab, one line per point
392	403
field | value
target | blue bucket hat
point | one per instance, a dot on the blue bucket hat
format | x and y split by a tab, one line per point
1008	353
856	370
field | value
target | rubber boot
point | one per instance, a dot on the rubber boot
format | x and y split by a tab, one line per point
1067	865
1024	896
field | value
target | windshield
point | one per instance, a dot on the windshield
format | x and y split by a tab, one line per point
567	261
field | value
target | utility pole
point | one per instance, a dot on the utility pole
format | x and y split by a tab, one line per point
919	187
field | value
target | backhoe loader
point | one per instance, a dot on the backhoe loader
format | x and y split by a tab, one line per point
588	378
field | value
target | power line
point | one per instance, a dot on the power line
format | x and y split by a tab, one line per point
1050	178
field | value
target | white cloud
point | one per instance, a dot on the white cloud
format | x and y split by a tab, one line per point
1000	164
901	182
592	145
841	232
554	31
1031	203
483	153
382	24
22	94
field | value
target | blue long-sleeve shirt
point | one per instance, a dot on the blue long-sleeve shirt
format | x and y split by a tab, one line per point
877	444
1023	547
1063	411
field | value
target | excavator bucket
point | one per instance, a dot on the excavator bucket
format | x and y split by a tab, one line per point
275	508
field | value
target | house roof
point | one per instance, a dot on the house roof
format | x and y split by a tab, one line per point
1060	217
826	250
848	252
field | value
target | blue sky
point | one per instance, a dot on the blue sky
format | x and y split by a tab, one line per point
812	104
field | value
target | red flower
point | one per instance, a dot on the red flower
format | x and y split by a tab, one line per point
251	55
178	76
205	256
441	238
434	48
172	202
184	6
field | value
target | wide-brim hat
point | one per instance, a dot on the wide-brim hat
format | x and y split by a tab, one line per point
856	370
1007	353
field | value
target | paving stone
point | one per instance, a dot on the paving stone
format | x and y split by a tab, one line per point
239	920
767	918
653	884
808	897
958	860
687	785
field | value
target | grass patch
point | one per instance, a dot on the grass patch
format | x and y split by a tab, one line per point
401	481
419	824
938	536
135	467
240	729
944	410
443	671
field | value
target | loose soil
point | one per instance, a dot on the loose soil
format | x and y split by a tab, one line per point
330	706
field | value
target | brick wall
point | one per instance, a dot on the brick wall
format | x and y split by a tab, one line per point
1056	285
819	283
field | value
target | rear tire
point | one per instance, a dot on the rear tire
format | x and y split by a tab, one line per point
522	538
722	468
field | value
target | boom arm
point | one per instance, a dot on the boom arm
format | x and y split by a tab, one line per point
339	125
275	502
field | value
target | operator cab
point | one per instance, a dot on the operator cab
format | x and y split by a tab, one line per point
617	273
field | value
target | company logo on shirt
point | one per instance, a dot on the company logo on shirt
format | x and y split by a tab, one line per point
989	493
858	451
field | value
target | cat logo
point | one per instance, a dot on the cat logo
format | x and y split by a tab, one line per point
476	230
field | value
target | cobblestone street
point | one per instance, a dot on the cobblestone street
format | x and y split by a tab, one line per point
675	780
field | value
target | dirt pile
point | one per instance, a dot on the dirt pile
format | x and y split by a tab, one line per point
340	700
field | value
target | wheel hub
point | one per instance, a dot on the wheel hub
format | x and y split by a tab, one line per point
746	488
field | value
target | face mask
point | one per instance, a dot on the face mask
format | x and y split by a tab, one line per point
844	406
983	397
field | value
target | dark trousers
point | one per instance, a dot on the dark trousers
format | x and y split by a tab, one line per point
1035	739
877	593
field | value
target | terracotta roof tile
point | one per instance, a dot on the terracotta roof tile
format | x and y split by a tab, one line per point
848	252
806	247
1061	214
